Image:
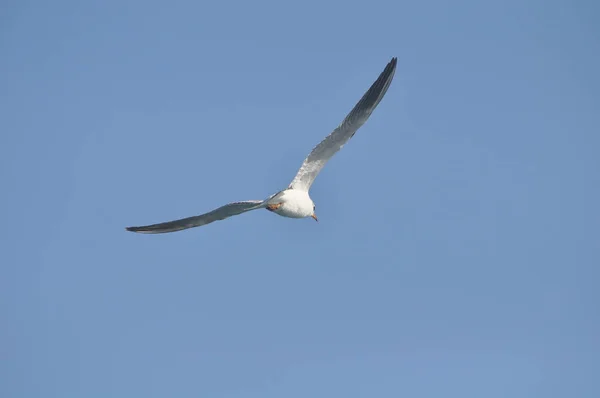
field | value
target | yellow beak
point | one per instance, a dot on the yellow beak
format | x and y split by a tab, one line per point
315	217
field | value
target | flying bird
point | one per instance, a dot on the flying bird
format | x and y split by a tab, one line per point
294	201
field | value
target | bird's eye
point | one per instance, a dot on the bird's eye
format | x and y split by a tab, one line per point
314	207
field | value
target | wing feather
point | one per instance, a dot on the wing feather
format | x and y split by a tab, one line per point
223	212
319	156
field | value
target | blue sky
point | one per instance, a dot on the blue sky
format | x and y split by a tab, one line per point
456	252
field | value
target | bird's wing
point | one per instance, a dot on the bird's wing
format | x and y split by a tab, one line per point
231	209
319	156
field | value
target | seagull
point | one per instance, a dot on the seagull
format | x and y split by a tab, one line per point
294	201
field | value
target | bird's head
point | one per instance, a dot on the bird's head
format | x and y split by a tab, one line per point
313	215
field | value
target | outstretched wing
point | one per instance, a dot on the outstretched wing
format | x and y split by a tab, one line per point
231	209
337	139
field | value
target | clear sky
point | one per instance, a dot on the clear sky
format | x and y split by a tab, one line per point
457	252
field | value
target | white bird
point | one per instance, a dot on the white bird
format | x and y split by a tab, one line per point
294	201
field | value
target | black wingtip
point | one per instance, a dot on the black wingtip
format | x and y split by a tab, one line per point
392	63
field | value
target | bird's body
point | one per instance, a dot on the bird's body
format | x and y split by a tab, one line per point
294	201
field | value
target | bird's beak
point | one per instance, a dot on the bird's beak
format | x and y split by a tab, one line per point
315	217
